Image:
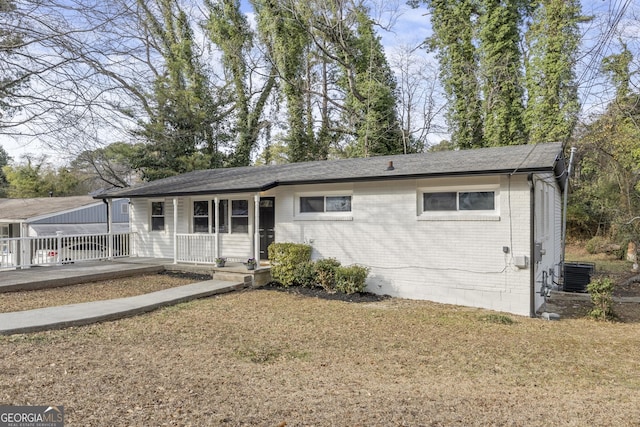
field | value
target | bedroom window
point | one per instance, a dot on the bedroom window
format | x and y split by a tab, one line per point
157	216
459	201
320	204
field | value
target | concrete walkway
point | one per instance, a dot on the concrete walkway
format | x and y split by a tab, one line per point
91	312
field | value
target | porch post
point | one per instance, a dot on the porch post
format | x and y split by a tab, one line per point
110	228
216	229
175	230
256	227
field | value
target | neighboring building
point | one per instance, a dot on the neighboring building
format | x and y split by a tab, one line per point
477	228
23	221
45	216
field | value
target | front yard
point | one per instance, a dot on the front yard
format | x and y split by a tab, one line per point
265	358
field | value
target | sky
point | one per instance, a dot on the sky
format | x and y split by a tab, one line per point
409	27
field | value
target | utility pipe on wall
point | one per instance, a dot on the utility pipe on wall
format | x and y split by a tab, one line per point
564	210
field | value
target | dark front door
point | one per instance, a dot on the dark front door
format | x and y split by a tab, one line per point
267	224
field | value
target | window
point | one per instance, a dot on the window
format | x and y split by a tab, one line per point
201	216
239	216
124	209
459	201
318	204
157	216
223	214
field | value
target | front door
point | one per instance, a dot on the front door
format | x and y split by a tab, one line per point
267	225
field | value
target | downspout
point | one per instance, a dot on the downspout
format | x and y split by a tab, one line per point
532	244
564	211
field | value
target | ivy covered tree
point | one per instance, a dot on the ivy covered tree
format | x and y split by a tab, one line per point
501	76
229	30
453	41
179	131
552	41
371	102
288	42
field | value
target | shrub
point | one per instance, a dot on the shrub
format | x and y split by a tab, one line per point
305	274
596	245
326	273
601	292
284	258
351	279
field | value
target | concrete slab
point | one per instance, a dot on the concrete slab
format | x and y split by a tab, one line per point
72	274
97	311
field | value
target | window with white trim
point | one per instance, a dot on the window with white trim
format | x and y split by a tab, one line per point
459	201
157	216
201	216
321	204
203	221
240	216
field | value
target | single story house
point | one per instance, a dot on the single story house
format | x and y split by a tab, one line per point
478	228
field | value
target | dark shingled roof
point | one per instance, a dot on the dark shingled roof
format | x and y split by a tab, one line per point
546	157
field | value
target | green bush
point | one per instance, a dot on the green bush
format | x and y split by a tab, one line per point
601	292
305	274
285	258
596	245
351	279
326	273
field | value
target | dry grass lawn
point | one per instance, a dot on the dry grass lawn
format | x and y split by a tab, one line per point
266	358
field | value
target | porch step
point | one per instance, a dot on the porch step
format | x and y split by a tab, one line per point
232	272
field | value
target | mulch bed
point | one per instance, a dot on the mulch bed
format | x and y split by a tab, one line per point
359	297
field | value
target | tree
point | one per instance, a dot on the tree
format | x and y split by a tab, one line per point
454	43
228	29
36	178
552	41
288	46
11	78
419	100
111	166
500	65
4	161
607	183
371	104
179	129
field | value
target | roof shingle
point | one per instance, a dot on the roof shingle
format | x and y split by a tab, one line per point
499	160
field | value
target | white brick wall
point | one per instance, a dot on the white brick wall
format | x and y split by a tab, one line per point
454	260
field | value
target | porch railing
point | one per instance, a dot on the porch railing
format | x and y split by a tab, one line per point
61	249
196	248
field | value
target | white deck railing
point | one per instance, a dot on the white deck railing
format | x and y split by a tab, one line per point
196	248
61	249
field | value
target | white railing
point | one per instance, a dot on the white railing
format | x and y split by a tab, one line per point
62	249
196	248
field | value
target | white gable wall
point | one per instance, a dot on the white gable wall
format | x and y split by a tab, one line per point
454	259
